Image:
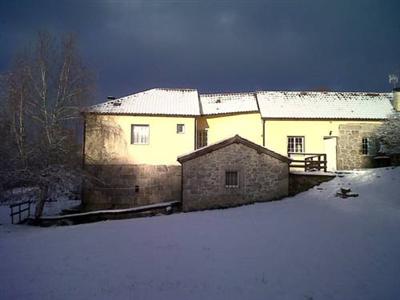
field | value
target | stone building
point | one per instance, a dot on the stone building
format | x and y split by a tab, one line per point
232	172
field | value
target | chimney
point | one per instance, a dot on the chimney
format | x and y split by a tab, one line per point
396	99
111	98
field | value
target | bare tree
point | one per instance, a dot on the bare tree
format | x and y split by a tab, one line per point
102	135
60	85
43	93
16	109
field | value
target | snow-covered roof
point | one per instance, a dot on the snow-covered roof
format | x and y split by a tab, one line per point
225	103
182	102
285	105
324	105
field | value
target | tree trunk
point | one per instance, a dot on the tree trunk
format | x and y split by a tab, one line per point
42	198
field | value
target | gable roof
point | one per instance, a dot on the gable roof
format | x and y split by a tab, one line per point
225	103
271	105
233	140
324	105
182	102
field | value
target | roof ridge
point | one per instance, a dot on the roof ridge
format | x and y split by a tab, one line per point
175	89
226	94
324	92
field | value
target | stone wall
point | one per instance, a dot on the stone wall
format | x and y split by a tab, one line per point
122	186
261	178
349	146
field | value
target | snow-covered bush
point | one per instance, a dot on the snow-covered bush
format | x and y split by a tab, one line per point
388	134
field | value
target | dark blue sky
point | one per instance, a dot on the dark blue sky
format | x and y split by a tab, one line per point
226	45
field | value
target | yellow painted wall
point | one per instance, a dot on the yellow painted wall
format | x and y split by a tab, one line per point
114	146
277	131
396	100
247	125
108	140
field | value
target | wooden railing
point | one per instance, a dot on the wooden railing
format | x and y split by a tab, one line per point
19	211
310	161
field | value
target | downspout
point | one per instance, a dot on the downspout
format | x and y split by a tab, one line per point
263	132
196	120
263	120
195	133
84	142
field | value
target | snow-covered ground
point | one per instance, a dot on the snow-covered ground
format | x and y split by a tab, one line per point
19	195
311	246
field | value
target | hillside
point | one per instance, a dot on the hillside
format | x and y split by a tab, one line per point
311	246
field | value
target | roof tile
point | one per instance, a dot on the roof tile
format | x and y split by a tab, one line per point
324	105
213	104
286	105
152	102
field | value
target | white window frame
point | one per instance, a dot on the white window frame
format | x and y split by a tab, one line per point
296	141
142	137
231	179
180	128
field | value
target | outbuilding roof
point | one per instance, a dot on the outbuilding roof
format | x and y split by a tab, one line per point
226	142
324	105
225	103
182	102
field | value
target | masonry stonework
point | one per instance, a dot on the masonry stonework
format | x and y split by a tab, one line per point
123	186
349	155
261	178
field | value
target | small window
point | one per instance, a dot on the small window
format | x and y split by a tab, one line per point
231	179
202	138
366	146
369	146
180	128
295	144
140	134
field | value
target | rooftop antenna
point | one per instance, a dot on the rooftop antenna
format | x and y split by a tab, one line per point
394	79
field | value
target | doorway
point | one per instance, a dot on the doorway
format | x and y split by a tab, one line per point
330	150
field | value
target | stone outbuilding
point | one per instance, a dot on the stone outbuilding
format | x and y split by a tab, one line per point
232	172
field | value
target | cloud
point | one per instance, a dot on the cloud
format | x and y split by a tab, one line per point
219	45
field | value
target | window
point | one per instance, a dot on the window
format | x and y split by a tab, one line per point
295	144
369	146
364	146
140	134
180	128
231	179
202	137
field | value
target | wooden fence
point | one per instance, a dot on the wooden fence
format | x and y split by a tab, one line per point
310	161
